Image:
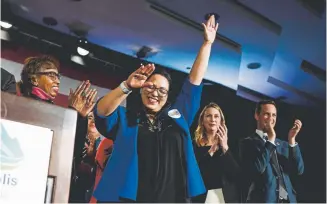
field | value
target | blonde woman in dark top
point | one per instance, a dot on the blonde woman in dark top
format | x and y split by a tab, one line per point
218	168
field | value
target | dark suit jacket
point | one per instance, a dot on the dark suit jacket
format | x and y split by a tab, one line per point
8	82
257	167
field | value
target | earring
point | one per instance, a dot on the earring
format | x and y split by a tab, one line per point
33	81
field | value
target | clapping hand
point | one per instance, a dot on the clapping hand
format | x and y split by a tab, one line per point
82	99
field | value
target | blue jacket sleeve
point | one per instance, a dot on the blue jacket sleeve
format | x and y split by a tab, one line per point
188	100
107	125
296	161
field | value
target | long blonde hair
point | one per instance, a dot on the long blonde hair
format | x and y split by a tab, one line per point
200	134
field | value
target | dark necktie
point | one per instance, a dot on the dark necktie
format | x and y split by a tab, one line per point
282	188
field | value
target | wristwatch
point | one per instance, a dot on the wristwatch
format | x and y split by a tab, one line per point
124	88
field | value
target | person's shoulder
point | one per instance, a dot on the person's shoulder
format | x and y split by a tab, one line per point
8	82
248	138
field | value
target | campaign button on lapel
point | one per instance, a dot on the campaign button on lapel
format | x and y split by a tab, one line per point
174	113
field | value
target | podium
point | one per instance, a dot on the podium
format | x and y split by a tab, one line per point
62	122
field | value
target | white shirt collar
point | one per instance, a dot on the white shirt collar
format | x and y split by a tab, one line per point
261	134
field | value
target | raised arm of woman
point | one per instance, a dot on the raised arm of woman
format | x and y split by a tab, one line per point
201	62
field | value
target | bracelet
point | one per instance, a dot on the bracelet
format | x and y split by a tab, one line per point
124	88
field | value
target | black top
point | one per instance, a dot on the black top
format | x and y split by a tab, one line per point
161	162
218	171
210	166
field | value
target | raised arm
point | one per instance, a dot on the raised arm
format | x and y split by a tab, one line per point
113	99
201	62
188	101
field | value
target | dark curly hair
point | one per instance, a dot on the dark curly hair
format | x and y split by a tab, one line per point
33	65
164	73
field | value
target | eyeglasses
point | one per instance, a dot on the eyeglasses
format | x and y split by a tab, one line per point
162	92
52	75
91	118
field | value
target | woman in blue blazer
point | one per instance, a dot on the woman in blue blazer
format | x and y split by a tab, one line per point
153	158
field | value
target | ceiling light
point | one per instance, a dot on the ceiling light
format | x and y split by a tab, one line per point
77	59
82	47
82	51
5	24
254	65
5	35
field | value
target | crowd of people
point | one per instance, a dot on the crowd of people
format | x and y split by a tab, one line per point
148	154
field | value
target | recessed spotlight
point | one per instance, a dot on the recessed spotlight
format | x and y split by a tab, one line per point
254	65
77	59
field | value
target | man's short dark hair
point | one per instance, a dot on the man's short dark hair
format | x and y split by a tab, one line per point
263	102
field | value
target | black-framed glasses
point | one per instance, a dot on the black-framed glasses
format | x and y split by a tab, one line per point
52	75
162	92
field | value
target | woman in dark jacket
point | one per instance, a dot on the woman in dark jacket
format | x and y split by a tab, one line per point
40	80
219	170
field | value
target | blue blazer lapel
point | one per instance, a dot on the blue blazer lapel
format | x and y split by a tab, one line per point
182	124
178	118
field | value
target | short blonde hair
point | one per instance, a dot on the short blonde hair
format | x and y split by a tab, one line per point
200	134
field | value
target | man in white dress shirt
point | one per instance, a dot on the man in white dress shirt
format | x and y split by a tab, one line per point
268	161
